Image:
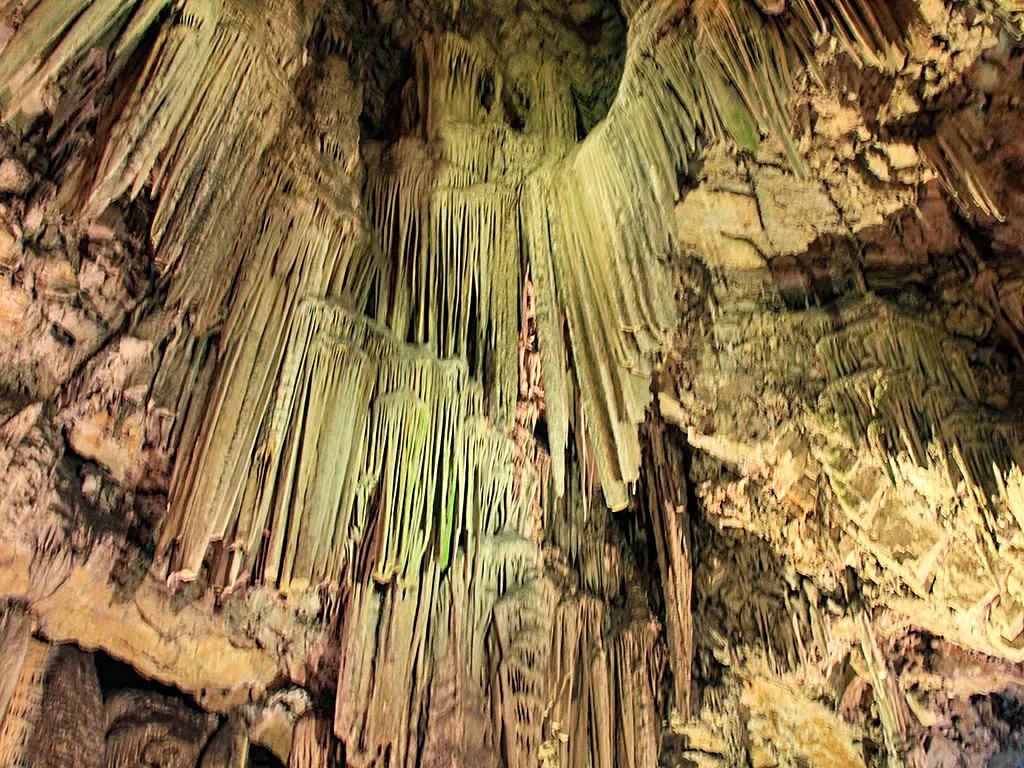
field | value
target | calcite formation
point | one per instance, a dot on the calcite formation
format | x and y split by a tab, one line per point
397	383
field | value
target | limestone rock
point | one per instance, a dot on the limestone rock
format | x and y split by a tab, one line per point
14	177
145	726
453	383
69	730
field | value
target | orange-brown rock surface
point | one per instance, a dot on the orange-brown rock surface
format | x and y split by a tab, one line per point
585	384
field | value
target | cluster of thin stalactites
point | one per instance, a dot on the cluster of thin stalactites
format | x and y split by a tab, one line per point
353	424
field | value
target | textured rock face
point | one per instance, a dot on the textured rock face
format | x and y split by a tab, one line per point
489	384
69	730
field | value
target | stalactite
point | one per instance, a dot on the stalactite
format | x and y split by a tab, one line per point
730	82
616	191
570	239
579	528
602	689
25	706
552	117
346	412
892	706
386	640
143	726
462	239
311	743
455	267
207	109
226	429
193	131
731	70
304	227
406	451
63	31
456	70
670	521
15	633
70	727
951	153
874	32
897	385
612	366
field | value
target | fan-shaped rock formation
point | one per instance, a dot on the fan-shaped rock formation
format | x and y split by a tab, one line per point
583	384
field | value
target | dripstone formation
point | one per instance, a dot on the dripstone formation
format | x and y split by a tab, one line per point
548	384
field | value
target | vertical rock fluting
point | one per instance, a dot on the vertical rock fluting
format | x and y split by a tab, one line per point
311	743
667	506
382	395
15	633
25	708
144	726
69	730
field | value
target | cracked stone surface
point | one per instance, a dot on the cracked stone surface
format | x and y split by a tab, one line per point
577	384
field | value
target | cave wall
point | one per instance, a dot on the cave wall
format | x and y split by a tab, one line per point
579	384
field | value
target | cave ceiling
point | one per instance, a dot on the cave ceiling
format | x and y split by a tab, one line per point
514	384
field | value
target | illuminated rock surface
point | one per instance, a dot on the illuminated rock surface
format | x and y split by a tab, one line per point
488	384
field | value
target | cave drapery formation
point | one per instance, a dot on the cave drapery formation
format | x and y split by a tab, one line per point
584	384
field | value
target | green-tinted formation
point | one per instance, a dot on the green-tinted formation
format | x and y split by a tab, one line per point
512	384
